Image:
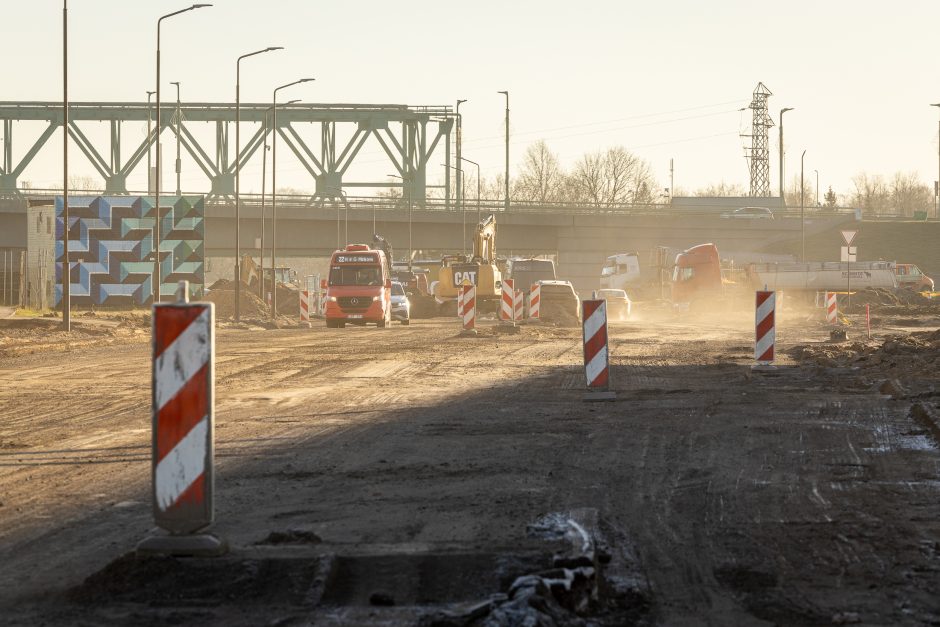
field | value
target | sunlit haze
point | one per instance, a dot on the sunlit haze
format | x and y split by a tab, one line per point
664	80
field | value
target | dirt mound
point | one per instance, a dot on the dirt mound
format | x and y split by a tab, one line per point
889	297
250	306
222	284
905	357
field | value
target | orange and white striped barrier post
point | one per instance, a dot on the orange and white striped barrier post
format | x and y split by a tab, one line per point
304	306
517	305
832	308
183	427
596	355
506	304
469	317
460	301
535	300
765	327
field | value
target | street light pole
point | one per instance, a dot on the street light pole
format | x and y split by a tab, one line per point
817	188
238	171
66	266
149	146
478	185
506	93
937	187
274	193
156	230
179	119
782	111
264	167
802	223
459	142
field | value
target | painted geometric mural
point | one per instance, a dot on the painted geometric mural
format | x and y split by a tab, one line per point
111	248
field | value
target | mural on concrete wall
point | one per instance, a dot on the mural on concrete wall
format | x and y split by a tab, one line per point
111	248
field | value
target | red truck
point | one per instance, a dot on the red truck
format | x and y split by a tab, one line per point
359	288
697	275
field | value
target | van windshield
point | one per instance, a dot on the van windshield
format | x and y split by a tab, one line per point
355	275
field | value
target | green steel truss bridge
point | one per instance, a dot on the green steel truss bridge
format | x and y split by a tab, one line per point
409	136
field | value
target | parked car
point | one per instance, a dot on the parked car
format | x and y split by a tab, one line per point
750	213
401	307
619	306
559	303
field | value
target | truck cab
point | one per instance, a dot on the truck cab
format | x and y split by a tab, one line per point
621	271
359	288
697	274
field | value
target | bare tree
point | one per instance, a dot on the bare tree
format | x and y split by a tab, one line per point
909	194
871	195
612	177
721	189
540	178
792	193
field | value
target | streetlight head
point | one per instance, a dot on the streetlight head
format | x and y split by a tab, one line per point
270	48
200	6
306	80
937	104
290	102
503	92
785	109
460	101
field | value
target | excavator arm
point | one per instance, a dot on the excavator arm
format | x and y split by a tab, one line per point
484	242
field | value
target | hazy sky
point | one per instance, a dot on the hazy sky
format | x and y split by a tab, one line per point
664	79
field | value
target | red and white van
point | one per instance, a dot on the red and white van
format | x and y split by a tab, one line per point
359	288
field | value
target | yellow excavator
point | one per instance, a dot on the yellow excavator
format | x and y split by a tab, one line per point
478	268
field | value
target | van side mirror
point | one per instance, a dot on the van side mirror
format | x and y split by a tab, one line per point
322	284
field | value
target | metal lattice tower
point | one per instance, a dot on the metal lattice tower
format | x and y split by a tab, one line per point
758	156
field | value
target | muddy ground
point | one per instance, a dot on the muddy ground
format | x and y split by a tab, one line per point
409	476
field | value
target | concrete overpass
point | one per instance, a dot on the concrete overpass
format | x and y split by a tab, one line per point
580	237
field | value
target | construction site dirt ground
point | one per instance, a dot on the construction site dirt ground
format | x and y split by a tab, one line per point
375	476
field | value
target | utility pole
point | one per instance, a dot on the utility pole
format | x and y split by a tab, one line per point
672	180
817	188
506	93
782	111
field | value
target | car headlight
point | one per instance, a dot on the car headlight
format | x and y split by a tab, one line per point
376	299
332	299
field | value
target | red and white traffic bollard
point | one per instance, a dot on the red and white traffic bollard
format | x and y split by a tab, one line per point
518	306
304	306
183	427
506	304
596	357
460	301
469	318
535	300
832	308
765	328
